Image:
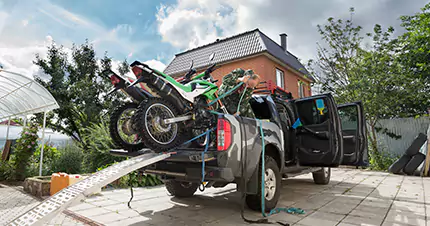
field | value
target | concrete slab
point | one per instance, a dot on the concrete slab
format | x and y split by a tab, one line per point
353	197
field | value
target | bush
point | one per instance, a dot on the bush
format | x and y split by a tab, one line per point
7	171
50	155
381	160
23	150
96	144
70	160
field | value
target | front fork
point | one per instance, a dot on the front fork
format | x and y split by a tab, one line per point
221	104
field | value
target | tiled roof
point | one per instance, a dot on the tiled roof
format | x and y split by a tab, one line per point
232	48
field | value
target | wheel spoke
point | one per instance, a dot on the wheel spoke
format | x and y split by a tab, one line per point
158	131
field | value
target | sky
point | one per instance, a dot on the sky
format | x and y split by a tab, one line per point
154	31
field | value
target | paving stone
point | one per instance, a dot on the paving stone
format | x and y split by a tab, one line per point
310	221
363	220
370	212
338	207
394	224
405	217
108	218
346	224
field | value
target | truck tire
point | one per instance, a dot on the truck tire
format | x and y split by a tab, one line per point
416	145
181	189
322	176
398	165
413	164
272	191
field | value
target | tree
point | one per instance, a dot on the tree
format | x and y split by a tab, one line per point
77	86
353	67
415	53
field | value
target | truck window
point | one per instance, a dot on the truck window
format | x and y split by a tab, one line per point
313	116
283	114
348	117
260	108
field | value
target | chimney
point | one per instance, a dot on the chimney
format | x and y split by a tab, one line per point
284	41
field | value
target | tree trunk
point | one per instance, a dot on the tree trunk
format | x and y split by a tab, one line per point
372	136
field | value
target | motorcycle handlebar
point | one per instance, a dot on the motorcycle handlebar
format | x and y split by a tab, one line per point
209	71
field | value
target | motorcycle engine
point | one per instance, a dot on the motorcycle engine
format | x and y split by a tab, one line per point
203	118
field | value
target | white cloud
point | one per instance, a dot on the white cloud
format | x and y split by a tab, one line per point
3	18
196	22
193	23
27	28
20	59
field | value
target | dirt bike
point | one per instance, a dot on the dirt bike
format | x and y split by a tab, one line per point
179	110
122	128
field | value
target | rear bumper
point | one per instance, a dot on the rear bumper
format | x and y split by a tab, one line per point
185	165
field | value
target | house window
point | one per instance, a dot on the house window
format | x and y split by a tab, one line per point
301	89
279	78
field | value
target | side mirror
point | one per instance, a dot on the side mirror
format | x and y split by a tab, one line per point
211	57
192	64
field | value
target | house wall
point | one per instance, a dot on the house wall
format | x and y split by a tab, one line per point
266	68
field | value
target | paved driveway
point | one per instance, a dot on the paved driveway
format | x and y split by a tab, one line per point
353	197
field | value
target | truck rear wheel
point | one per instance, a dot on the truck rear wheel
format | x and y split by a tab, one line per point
181	189
322	176
272	189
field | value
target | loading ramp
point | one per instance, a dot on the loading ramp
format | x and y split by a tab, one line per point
73	194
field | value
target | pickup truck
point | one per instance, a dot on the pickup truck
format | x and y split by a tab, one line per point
307	135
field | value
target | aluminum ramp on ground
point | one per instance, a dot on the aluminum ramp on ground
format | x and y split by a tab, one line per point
73	194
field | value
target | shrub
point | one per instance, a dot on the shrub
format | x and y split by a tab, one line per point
23	150
381	160
7	171
96	144
50	155
70	160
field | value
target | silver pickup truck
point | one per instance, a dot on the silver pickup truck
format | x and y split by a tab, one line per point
308	135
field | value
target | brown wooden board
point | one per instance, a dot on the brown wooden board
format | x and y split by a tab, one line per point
6	150
427	161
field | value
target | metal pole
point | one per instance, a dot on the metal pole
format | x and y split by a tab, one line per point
25	122
7	131
43	144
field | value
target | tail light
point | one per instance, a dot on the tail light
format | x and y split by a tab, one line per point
137	71
115	80
223	134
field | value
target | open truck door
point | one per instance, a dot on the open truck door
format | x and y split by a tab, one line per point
354	134
318	131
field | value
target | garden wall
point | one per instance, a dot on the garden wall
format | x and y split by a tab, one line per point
398	134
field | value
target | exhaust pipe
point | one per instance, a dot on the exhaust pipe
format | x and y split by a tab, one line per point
166	173
166	90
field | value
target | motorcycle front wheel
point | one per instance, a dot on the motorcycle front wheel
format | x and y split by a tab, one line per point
159	136
122	130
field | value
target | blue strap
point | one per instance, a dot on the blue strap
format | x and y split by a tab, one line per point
240	100
197	137
291	210
225	94
203	155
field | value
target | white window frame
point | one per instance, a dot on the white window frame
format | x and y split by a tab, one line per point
301	89
281	76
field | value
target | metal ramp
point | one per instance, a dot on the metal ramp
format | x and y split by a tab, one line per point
73	194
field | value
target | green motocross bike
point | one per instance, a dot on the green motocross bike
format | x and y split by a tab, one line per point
179	110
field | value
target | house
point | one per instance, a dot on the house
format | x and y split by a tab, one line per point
249	50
